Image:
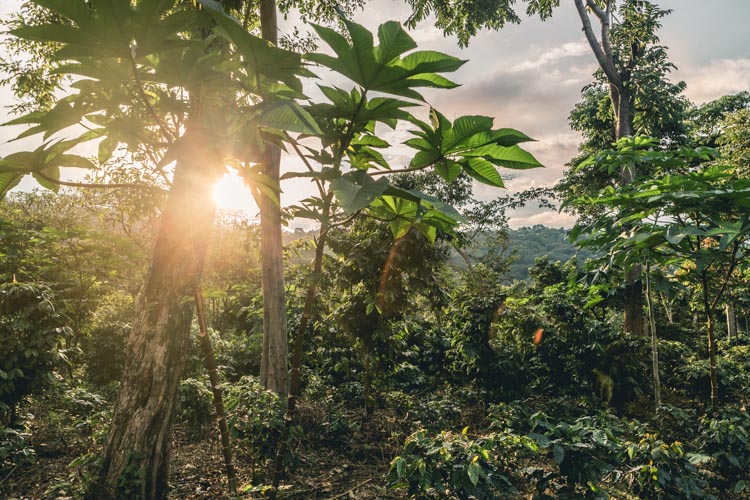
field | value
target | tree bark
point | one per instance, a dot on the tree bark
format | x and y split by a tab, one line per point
137	449
273	364
731	323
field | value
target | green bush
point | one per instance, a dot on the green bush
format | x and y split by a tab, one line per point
104	345
454	465
256	417
195	408
726	439
661	470
239	353
585	451
30	334
14	450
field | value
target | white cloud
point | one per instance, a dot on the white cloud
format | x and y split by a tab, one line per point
711	81
548	218
569	49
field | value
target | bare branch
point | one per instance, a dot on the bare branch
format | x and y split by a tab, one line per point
307	164
606	61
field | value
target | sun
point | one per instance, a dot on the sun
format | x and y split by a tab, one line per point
230	193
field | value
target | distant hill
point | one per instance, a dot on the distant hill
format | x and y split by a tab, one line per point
540	241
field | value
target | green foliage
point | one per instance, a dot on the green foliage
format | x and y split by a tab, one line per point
596	453
725	438
31	331
195	409
662	470
583	450
14	450
255	417
104	346
455	465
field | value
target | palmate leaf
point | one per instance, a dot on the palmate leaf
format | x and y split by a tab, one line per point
380	68
411	209
43	163
111	28
285	114
61	116
8	180
259	56
357	190
469	143
352	106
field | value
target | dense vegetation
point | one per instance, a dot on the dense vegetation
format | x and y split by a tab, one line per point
436	353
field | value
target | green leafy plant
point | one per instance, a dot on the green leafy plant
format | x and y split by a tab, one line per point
726	439
662	470
30	334
256	417
456	465
14	449
195	408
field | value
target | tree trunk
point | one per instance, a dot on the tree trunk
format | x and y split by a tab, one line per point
299	336
731	323
622	105
273	364
213	378
711	343
654	344
634	321
136	453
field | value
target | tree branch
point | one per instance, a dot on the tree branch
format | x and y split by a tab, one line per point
606	61
730	270
307	164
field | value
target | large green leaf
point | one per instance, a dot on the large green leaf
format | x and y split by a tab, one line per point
394	41
509	157
380	68
353	196
287	115
8	180
260	57
483	171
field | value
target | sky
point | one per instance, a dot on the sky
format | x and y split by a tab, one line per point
529	77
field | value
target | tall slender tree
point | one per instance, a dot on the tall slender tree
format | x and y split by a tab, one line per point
273	365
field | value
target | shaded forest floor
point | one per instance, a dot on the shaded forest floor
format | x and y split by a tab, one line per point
354	468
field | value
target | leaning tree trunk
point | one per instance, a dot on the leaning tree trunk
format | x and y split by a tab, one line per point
136	453
273	364
209	361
